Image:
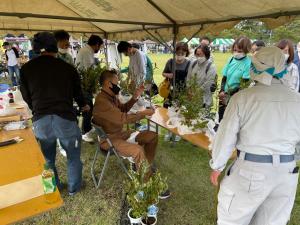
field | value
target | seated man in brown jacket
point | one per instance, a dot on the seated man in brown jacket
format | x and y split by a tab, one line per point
111	115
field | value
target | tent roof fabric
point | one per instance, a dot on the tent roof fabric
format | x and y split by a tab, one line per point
117	19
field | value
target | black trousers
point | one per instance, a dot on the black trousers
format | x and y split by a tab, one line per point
87	116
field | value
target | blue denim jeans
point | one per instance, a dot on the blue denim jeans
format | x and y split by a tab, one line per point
52	127
14	71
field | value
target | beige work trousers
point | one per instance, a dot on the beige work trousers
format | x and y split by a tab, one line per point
257	193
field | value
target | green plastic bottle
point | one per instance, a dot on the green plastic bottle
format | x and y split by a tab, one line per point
49	184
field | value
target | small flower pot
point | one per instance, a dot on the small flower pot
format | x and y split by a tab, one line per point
133	221
152	210
150	221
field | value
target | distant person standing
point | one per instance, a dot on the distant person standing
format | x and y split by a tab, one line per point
86	55
257	45
86	59
62	37
137	63
291	79
13	63
205	41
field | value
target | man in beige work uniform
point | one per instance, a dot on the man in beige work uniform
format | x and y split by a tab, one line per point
111	115
263	123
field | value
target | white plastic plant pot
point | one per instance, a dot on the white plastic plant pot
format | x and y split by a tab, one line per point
153	221
134	221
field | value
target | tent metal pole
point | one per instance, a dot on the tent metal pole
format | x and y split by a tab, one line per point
161	42
49	30
271	15
175	32
41	16
161	38
106	50
197	32
161	11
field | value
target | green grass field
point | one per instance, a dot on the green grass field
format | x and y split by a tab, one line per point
193	198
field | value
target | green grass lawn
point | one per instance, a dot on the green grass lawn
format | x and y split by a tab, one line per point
193	198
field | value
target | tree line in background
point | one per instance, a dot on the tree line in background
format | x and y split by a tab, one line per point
258	30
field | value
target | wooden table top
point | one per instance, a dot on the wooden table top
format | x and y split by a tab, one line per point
21	161
160	117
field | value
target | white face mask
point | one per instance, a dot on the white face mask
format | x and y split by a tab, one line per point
179	58
63	51
286	56
201	59
238	55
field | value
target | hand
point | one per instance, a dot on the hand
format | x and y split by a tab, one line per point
222	97
214	177
86	108
148	112
139	91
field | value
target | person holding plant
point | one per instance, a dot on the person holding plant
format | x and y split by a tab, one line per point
181	71
291	79
84	61
204	72
236	72
263	124
137	69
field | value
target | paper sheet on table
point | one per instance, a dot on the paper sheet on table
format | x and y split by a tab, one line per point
21	191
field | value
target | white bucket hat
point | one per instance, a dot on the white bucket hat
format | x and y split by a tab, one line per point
267	63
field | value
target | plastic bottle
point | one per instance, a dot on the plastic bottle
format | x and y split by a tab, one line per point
49	184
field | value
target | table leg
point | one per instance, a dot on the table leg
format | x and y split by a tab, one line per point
148	124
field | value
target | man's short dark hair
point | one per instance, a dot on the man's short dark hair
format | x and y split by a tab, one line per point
5	43
44	41
205	38
136	45
123	46
205	50
61	35
259	43
105	75
95	40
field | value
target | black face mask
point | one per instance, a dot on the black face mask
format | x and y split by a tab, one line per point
115	88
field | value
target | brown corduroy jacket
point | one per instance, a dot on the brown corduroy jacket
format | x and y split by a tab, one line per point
111	115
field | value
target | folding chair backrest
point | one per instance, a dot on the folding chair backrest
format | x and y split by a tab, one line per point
101	133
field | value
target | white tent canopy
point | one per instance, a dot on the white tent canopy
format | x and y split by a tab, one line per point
123	19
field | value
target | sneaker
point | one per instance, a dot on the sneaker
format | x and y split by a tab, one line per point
87	137
83	185
62	151
168	136
166	194
143	128
177	138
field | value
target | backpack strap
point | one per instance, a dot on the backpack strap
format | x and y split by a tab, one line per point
208	66
194	64
187	66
